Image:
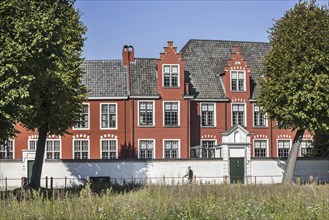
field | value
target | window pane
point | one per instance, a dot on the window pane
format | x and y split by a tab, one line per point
112	108
166	69
104	108
174	68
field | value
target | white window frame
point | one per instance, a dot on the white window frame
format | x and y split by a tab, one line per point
300	148
60	148
202	140
244	79
245	112
116	115
116	148
88	128
163	147
154	150
74	151
277	145
253	117
138	121
6	156
178	78
163	114
267	148
214	116
29	143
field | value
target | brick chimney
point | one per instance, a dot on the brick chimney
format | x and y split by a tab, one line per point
127	54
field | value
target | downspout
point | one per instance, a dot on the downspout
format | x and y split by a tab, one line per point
271	137
132	131
188	128
225	116
125	128
131	110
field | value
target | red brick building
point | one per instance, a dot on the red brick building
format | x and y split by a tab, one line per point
178	105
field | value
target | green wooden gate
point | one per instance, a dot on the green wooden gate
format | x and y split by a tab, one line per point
237	170
29	169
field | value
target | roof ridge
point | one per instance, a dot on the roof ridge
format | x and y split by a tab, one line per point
226	41
103	60
145	58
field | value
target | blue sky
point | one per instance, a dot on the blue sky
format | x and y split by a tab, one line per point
148	25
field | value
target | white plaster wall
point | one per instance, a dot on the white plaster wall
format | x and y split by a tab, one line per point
13	171
173	171
237	152
161	171
266	171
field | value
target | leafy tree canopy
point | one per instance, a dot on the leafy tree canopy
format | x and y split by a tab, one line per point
40	69
295	85
41	45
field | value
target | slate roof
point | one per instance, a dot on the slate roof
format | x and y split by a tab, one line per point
105	78
143	77
108	78
205	60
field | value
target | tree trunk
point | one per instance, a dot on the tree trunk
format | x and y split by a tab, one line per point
38	162
291	162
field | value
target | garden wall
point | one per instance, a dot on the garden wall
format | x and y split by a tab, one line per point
70	172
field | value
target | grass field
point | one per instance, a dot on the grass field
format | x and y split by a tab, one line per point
178	202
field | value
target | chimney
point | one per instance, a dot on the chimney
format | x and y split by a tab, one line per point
170	43
127	54
236	49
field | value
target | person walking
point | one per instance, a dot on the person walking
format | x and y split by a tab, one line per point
189	174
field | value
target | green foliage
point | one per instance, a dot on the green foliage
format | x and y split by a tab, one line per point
40	58
295	86
179	202
321	143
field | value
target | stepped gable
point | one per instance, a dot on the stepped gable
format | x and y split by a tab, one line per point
205	61
105	78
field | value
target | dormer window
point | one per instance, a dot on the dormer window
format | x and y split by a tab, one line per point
171	75
238	81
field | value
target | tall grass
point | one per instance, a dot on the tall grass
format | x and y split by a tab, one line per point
178	202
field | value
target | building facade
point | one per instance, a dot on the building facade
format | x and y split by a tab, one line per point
196	103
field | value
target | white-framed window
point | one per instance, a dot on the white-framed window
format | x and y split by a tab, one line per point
238	82
260	148
53	149
80	149
82	121
109	115
205	150
109	148
33	144
284	148
171	114
146	113
260	119
208	115
146	149
239	114
7	150
306	148
171	149
171	75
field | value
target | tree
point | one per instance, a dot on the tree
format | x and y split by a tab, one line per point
321	144
48	37
295	85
